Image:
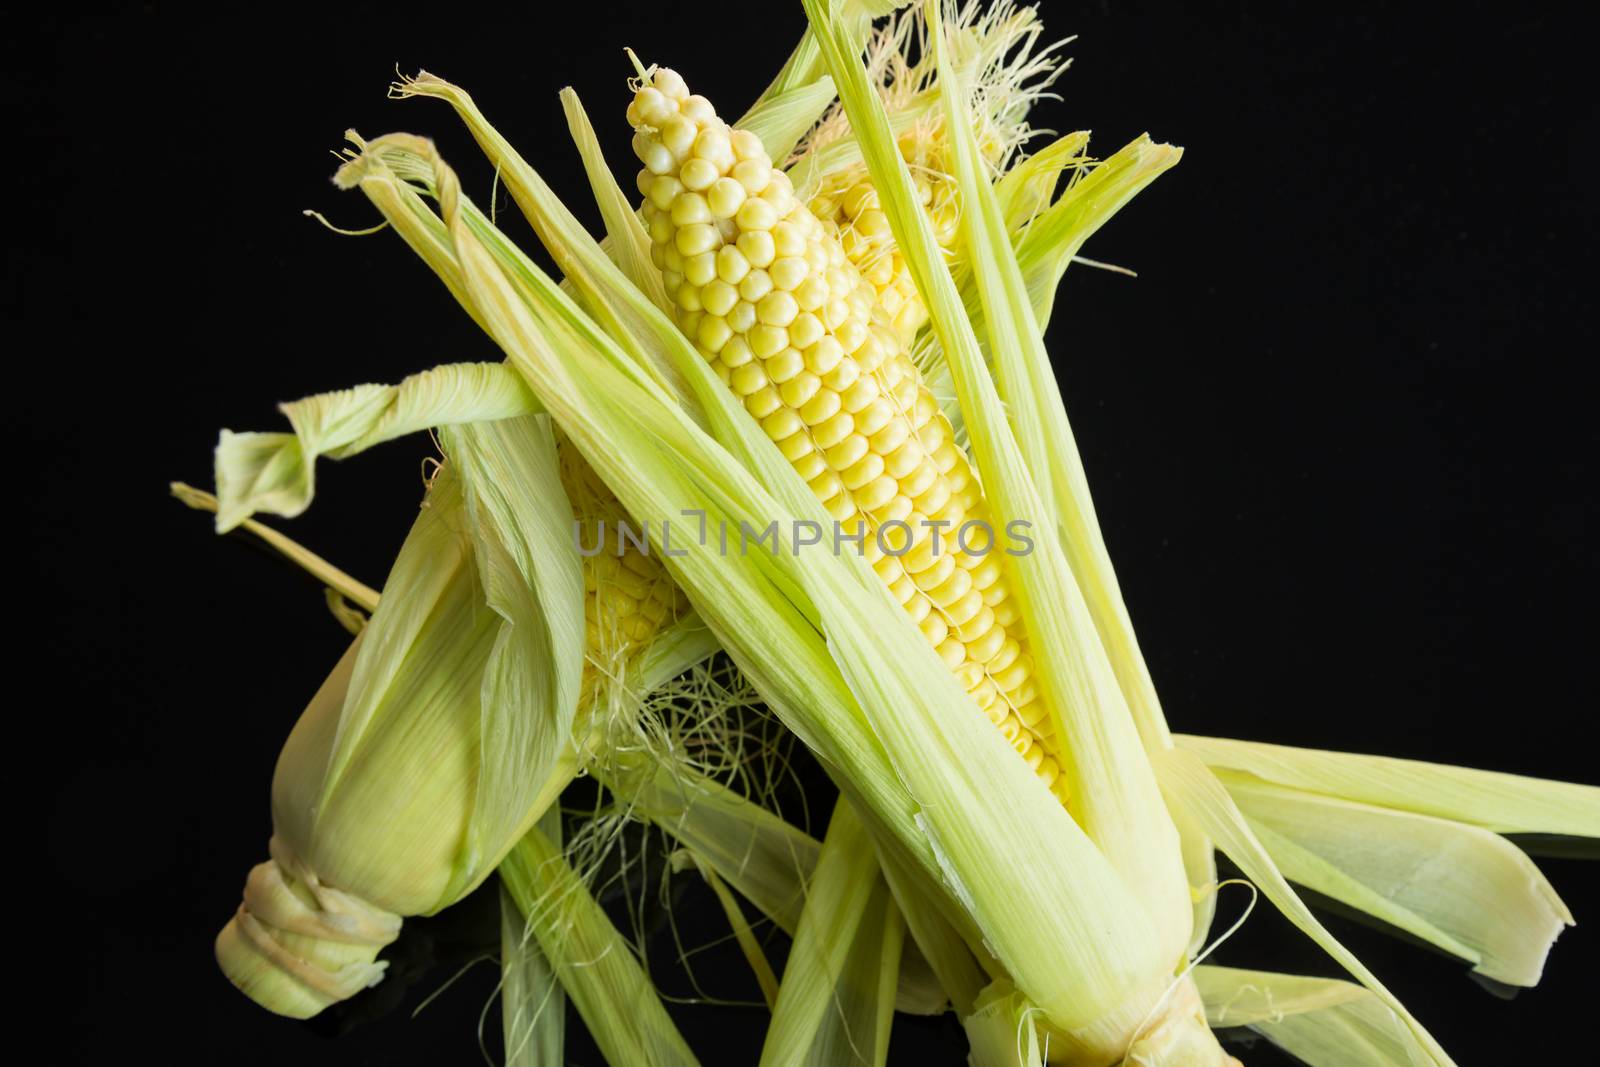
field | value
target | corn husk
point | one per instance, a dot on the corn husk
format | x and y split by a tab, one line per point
1003	1030
276	472
1192	786
593	962
437	740
1504	803
839	985
1321	1021
1461	888
533	1017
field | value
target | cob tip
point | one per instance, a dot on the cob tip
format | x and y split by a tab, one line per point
296	946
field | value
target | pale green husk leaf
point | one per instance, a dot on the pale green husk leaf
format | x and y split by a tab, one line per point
490	598
520	525
1002	1030
593	961
1322	1021
533	1006
1462	888
1191	785
276	472
1505	803
837	998
1115	796
781	120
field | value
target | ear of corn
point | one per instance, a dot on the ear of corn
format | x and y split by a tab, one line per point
1046	236
1000	56
430	747
786	322
1103	760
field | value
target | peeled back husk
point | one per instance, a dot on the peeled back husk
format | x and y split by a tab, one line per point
443	732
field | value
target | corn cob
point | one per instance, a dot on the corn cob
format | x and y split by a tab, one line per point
848	206
789	323
628	595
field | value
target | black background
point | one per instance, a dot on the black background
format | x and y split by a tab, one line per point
1338	429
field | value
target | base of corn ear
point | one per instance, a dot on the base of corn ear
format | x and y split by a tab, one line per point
295	946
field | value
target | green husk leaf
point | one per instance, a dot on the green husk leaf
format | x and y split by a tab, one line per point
1504	803
942	970
1002	1029
1462	888
1115	796
630	243
846	151
764	857
276	472
519	522
837	996
533	1007
594	963
1322	1021
769	861
1029	187
781	120
621	309
674	650
1056	235
1026	385
419	698
1191	785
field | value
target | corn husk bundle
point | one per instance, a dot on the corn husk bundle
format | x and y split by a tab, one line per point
854	338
